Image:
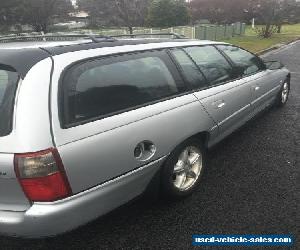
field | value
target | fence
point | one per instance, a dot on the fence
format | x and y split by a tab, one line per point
219	32
202	32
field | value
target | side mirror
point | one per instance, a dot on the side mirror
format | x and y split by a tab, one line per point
273	65
238	71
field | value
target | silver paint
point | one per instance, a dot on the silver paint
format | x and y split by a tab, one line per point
99	156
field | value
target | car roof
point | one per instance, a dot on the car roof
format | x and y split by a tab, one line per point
22	56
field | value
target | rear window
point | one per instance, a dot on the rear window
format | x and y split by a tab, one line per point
8	84
104	87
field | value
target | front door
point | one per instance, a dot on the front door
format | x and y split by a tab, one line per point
262	82
226	99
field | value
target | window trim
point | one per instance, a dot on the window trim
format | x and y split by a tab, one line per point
225	56
160	53
170	62
180	69
234	64
209	85
12	107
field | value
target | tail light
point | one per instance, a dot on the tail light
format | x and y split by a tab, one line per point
42	176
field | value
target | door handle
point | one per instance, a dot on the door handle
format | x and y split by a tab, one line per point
221	105
256	88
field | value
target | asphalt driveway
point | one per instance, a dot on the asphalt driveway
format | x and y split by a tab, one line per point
251	186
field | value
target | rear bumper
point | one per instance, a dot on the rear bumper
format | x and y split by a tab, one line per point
49	219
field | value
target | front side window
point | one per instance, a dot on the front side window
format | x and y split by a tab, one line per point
189	69
211	62
106	86
8	84
246	62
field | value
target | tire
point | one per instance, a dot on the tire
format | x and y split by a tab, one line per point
283	95
179	176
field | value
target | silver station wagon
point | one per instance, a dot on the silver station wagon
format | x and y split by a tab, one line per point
88	123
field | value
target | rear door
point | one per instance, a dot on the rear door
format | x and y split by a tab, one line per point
227	98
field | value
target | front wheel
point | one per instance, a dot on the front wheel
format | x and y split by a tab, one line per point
283	95
183	169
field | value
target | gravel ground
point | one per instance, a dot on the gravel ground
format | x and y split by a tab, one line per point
250	187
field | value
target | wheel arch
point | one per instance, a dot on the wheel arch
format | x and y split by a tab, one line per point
153	188
288	77
202	136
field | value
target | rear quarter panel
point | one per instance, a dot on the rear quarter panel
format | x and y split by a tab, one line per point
99	151
31	132
31	123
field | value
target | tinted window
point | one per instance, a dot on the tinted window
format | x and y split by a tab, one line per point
213	65
97	88
8	84
246	62
189	69
3	84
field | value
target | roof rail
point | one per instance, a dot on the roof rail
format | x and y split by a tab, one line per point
96	38
56	37
175	35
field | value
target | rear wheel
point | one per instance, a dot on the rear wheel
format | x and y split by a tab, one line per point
183	169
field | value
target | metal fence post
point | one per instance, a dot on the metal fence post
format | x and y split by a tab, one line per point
241	28
193	32
216	30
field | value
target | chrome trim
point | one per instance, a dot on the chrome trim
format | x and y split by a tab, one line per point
264	95
234	114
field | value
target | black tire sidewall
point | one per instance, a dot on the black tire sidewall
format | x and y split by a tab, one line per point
168	189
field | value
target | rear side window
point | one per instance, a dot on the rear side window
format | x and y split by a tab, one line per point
213	65
103	87
247	62
8	85
189	69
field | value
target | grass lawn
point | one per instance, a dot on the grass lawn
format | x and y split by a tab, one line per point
255	44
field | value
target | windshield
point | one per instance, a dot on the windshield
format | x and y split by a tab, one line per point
8	85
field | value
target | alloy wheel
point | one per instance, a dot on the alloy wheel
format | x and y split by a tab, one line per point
188	168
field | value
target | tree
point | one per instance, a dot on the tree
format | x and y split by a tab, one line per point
41	13
98	11
229	11
132	12
8	12
286	12
219	11
129	13
273	13
167	13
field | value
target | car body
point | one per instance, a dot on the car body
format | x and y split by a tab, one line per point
105	144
